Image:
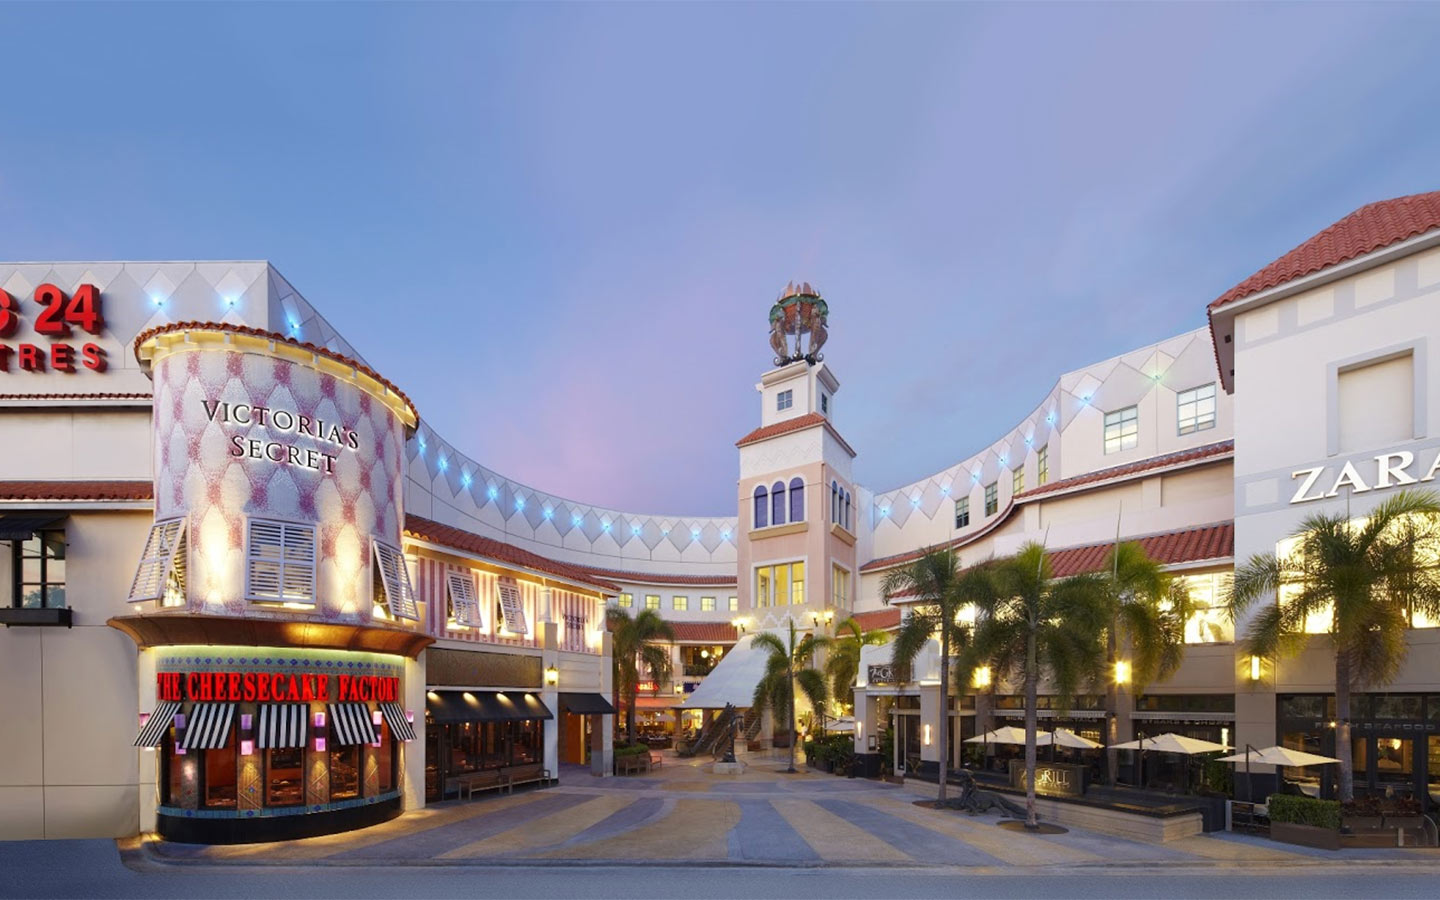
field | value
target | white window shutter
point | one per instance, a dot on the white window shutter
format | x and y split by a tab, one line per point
159	556
464	600
395	578
280	563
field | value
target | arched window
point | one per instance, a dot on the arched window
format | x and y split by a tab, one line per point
777	503
762	506
846	517
797	499
834	502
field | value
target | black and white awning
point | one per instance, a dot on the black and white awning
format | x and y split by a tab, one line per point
207	727
350	723
282	725
395	718
156	726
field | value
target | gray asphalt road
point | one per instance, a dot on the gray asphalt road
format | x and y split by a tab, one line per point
94	869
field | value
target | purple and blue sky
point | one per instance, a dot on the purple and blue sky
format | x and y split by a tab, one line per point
559	228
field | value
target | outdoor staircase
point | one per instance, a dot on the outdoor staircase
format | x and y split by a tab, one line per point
754	721
713	736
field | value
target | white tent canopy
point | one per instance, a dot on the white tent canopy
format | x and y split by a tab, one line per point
1170	742
1064	737
1279	756
1009	734
733	680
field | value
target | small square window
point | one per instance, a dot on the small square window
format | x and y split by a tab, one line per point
962	512
1195	409
992	498
1042	465
784	400
1122	429
627	601
825	403
678	602
734	604
652	601
707	604
1017	481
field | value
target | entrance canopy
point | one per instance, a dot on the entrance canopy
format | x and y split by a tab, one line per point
586	704
732	681
484	706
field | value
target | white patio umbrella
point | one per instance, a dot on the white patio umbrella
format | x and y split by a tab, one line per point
1064	737
1009	734
1169	742
1276	756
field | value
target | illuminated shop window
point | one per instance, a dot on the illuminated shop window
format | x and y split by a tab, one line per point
1042	465
1017	481
762	586
161	573
992	498
962	512
784	400
464	608
627	601
840	590
1290	551
652	601
1122	429
280	563
1195	409
797	583
1208	622
679	603
707	604
394	595
39	570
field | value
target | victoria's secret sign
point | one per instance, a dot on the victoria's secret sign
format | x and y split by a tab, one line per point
56	320
282	421
278	687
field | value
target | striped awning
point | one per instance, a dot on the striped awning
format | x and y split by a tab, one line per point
395	718
207	727
158	722
282	725
350	723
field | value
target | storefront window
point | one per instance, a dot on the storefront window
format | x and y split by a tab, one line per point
220	776
344	772
1433	788
1307	779
385	758
284	776
1396	706
1208	622
174	781
39	566
527	741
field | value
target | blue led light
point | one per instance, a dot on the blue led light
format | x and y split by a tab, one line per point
1050	417
575	520
465	478
915	500
157	299
492	492
605	525
725	534
635	530
945	490
519	503
975	476
444	464
549	513
694	534
884	510
1029	439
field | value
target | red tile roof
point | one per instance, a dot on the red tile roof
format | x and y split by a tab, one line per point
505	554
77	490
799	423
276	336
884	619
885	562
76	397
705	632
1217	450
1365	230
1215	542
653	578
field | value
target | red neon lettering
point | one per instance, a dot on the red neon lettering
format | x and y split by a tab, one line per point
323	691
249	680
62	357
50	322
294	688
31	359
94	357
234	686
8	319
277	686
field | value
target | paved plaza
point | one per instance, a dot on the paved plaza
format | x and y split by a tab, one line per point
681	813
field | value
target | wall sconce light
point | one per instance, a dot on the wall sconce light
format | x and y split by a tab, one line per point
376	717
179	720
245	720
739	625
179	750
319	720
247	748
859	729
1254	668
552	676
319	745
1122	671
982	676
410	716
144	717
376	745
927	735
679	688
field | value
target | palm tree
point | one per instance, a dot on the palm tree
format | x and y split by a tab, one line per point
788	666
1053	628
1366	579
638	642
1148	611
843	663
940	592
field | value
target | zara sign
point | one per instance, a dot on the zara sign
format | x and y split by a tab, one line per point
1388	470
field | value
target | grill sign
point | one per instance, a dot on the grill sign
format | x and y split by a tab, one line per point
57	319
278	687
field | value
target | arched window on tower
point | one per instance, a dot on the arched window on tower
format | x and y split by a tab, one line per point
834	502
846	517
762	506
797	499
777	503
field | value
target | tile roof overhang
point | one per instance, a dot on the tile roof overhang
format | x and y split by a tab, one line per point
704	632
502	554
881	619
1180	459
1369	236
51	492
667	579
1202	544
799	423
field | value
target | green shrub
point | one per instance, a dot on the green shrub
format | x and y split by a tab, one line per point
631	750
1218	777
1304	811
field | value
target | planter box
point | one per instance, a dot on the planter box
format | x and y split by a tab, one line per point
894	779
1305	835
1363	823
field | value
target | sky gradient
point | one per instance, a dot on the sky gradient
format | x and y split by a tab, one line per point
560	228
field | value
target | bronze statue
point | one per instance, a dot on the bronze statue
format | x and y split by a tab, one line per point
778	342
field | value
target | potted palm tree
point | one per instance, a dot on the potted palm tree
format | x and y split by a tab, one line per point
1363	579
1050	627
937	591
639	644
787	666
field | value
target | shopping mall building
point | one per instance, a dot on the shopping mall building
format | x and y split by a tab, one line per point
252	595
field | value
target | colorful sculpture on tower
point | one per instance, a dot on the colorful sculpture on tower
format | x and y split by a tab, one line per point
800	313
